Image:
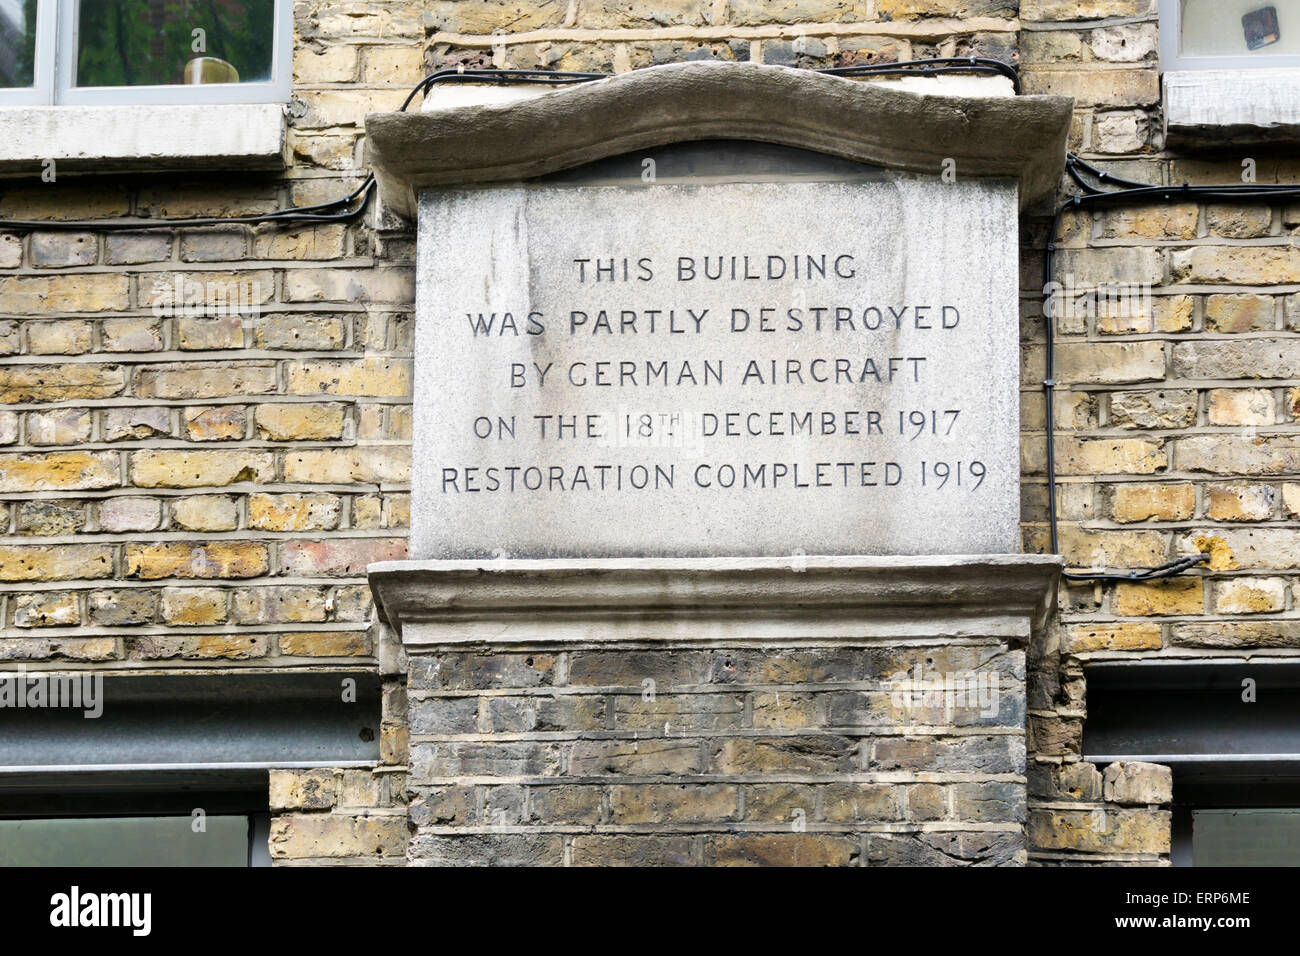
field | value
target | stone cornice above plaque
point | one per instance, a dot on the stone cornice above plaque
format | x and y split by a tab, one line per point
1019	137
655	600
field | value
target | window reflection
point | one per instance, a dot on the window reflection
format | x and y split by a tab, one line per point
17	42
172	42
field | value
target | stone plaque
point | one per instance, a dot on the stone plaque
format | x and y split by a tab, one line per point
726	368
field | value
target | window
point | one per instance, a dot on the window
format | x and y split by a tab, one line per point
181	840
1246	837
144	51
1229	34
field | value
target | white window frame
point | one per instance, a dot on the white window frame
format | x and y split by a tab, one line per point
1172	60
42	90
56	60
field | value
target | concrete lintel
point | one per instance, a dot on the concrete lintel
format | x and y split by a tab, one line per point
1020	137
152	138
691	599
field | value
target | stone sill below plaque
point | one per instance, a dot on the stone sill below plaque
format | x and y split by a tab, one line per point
1213	109
878	124
705	600
111	139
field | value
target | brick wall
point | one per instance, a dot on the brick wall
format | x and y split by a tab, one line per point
731	756
1176	421
188	492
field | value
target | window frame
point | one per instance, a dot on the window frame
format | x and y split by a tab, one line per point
43	63
1172	60
56	60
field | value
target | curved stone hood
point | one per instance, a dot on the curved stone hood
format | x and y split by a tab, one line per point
1020	137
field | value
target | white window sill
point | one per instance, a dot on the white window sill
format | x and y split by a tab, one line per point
123	138
1213	108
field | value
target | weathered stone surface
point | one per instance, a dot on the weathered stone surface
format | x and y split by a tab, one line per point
1154	409
1251	596
1132	783
1101	831
688	490
1011	136
1256	358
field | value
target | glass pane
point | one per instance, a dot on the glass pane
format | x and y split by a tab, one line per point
1240	28
1246	838
124	841
173	42
17	42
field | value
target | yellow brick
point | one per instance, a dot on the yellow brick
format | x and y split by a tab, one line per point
172	199
1084	548
1240	406
294	512
1239	502
61	337
1250	596
346	107
221	423
321	835
184	559
1162	314
220	332
196	380
59	426
331	64
55	383
1083	9
324	644
1113	637
318	242
193	605
1236	265
1107	363
299	422
205	513
1153	502
1172	596
1221	556
1110	456
399	512
1240	313
373	463
60	563
367	511
64	202
191	469
30	295
59	470
386	65
1236	221
200	647
1101	831
1163	221
280	605
380	378
46	609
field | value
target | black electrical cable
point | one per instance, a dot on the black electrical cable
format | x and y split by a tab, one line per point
296	214
1130	192
936	66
